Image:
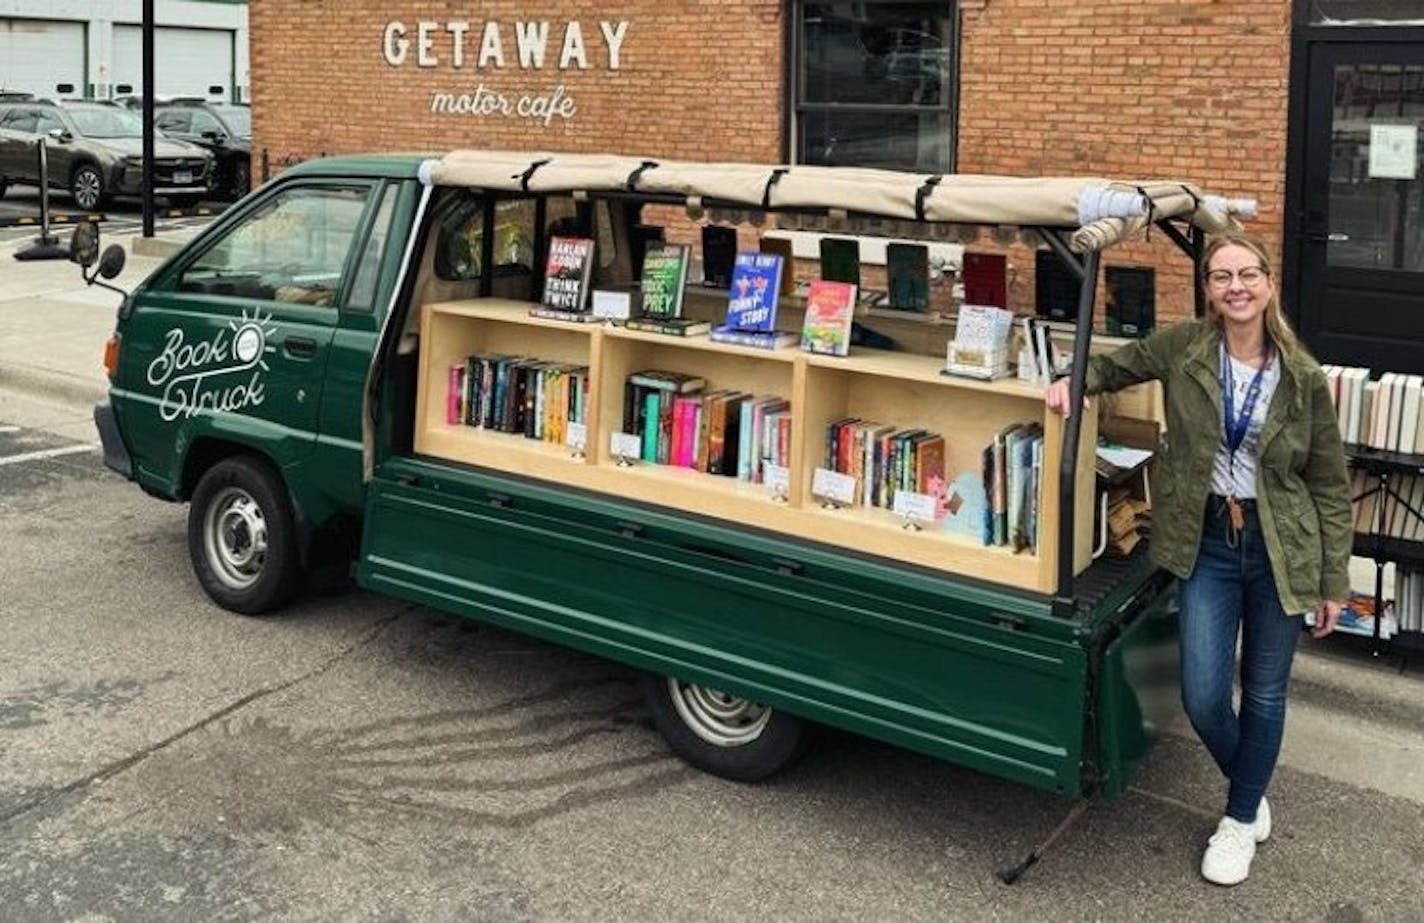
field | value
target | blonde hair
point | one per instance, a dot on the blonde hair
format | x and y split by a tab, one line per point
1277	327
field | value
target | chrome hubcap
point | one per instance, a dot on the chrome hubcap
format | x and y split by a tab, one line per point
86	188
235	538
717	717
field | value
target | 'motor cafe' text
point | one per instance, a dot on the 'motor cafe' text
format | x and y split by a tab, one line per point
496	46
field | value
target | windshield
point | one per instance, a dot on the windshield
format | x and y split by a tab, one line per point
237	118
107	123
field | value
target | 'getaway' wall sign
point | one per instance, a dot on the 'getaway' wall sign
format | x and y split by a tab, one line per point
524	45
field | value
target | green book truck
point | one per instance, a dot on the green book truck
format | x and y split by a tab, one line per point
318	374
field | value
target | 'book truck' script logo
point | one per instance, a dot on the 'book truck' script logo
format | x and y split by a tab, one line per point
525	45
186	371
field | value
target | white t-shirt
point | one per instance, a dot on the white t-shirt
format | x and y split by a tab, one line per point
1243	485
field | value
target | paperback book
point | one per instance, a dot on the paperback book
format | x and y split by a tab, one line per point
830	307
568	274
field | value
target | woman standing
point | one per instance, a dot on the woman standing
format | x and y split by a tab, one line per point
1251	509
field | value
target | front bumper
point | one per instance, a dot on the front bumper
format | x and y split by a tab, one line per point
116	454
128	180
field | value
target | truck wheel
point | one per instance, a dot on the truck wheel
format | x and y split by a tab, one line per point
86	185
721	733
242	538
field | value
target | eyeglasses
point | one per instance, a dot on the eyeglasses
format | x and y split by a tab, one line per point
1250	277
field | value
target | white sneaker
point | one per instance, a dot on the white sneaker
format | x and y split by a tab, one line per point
1262	826
1227	860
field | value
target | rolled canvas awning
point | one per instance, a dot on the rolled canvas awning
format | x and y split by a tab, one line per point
1098	212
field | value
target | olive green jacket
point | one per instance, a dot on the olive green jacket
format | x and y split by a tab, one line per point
1302	489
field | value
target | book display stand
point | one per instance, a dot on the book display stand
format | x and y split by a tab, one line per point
1394	512
897	388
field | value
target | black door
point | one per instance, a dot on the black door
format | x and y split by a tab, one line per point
1361	294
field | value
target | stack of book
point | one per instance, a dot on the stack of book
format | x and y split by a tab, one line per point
724	432
517	394
885	460
1127	519
752	303
1013	474
1387	414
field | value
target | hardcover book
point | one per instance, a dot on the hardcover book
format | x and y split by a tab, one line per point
840	260
907	268
986	279
758	339
643	237
755	290
568	274
672	326
829	309
664	275
719	252
780	246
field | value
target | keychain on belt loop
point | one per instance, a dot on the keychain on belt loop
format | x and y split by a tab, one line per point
1236	432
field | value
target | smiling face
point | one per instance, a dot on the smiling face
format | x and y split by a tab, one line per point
1239	286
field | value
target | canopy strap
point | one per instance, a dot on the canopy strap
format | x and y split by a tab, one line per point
771	181
633	178
528	174
923	193
1151	211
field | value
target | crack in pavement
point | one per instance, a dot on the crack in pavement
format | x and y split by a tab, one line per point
133	759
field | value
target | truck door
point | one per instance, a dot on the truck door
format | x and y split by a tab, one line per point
233	339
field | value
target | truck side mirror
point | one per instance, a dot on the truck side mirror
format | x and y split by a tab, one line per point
112	262
84	244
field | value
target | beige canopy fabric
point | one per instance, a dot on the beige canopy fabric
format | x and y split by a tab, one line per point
1099	212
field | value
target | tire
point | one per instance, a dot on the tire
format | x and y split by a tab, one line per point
185	202
241	178
86	186
242	536
723	734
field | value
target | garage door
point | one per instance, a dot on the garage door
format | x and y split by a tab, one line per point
187	62
38	56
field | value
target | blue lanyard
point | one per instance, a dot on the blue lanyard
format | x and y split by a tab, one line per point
1236	430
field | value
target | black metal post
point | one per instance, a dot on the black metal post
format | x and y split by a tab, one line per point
148	145
1072	433
43	154
266	166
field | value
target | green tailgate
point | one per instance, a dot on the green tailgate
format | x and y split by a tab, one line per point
984	678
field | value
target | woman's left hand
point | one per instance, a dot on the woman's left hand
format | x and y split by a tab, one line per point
1326	615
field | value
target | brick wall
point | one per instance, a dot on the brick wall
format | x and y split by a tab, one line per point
1193	89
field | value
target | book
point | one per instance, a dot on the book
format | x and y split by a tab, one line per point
663	278
568	273
766	339
641	237
829	309
986	279
781	247
572	317
454	403
673	326
840	260
755	292
719	252
907	268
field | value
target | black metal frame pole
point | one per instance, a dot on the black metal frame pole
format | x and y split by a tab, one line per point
42	153
148	145
1072	434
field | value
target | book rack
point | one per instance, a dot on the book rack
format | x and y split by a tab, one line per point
896	388
1377	543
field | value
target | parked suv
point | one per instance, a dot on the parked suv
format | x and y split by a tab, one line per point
225	130
95	151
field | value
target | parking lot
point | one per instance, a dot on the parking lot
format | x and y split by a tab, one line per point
20	215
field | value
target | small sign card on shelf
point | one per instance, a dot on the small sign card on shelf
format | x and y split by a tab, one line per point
777	479
576	438
833	489
626	447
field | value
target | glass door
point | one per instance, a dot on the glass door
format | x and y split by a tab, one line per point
1362	269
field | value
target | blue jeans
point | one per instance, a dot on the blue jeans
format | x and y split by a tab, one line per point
1230	589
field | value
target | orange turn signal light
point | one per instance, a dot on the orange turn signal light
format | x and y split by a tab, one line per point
111	357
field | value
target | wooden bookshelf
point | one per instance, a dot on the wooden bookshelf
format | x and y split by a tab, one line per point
900	389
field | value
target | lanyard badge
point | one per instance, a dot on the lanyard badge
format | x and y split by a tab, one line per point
1237	425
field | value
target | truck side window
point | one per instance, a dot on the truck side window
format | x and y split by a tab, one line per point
293	248
457	242
368	270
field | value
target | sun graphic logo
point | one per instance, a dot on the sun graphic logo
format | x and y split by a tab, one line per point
249	339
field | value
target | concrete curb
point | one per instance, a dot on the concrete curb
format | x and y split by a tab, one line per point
157	247
49	385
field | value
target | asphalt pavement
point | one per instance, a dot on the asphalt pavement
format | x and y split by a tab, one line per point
361	758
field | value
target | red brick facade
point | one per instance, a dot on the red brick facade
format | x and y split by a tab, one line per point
1194	89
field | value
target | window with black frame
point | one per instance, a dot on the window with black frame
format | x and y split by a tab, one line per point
874	83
